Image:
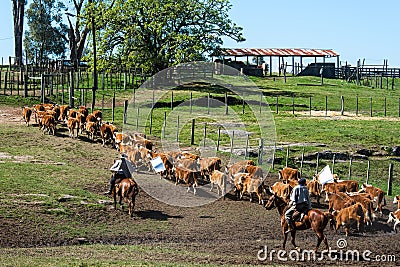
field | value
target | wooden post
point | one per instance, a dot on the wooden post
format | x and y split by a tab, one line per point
273	156
26	85
137	119
191	100
277	104
232	138
219	137
287	156
368	168
208	103
246	153
370	106
342	105
316	168
126	111
71	89
390	180
177	130
42	88
151	121
260	150
226	103
192	133
113	109
350	167
301	163
384	106
205	135
357	105
333	163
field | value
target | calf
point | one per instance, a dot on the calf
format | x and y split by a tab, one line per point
98	115
332	188
72	124
49	124
338	202
394	217
127	190
377	195
91	128
26	115
314	189
188	176
208	166
350	185
397	200
289	174
255	171
218	178
348	216
367	206
238	167
250	185
63	112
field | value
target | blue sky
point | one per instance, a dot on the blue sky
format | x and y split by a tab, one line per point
355	29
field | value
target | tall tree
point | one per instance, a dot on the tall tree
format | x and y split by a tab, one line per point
157	34
18	15
47	34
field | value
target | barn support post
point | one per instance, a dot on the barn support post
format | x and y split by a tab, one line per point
390	180
260	150
192	132
368	169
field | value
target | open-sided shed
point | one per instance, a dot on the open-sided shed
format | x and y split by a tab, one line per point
282	54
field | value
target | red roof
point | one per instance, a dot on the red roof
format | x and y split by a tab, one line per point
283	52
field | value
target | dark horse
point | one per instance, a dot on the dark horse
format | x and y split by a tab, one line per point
315	219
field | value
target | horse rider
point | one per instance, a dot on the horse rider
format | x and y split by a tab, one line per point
121	170
300	201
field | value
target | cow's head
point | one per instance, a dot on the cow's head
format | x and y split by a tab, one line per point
396	199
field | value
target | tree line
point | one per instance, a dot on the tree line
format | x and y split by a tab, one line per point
152	35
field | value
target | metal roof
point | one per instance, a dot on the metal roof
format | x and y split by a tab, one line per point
283	52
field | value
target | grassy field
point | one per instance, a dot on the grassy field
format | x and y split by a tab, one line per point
37	170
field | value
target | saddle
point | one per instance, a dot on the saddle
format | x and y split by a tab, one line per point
298	216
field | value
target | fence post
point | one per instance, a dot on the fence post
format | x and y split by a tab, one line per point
219	137
261	95
246	153
273	156
342	105
277	104
191	104
25	85
260	151
390	180
350	166
301	163
370	106
113	109
316	168
137	119
177	130
71	89
232	138
293	105
287	156
151	121
243	103
192	133
333	163
172	100
226	103
42	88
368	168
384	106
208	103
205	135
126	110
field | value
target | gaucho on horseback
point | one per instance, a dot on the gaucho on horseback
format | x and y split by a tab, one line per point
299	201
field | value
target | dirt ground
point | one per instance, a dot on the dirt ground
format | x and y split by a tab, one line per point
223	232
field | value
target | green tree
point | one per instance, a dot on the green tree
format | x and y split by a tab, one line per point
46	37
158	34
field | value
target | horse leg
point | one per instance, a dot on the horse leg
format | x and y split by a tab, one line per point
284	236
293	239
321	237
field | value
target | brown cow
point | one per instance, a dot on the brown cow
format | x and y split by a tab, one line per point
338	202
98	115
49	124
397	200
208	166
333	188
167	161
63	112
26	114
72	124
255	171
218	178
250	185
289	174
82	121
107	132
377	195
394	217
127	190
91	129
314	189
367	206
188	176
282	190
348	216
351	185
238	167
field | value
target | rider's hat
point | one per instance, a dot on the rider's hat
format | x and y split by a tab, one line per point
302	181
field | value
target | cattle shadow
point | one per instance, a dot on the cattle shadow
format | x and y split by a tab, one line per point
156	215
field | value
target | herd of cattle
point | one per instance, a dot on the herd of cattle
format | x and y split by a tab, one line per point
347	202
